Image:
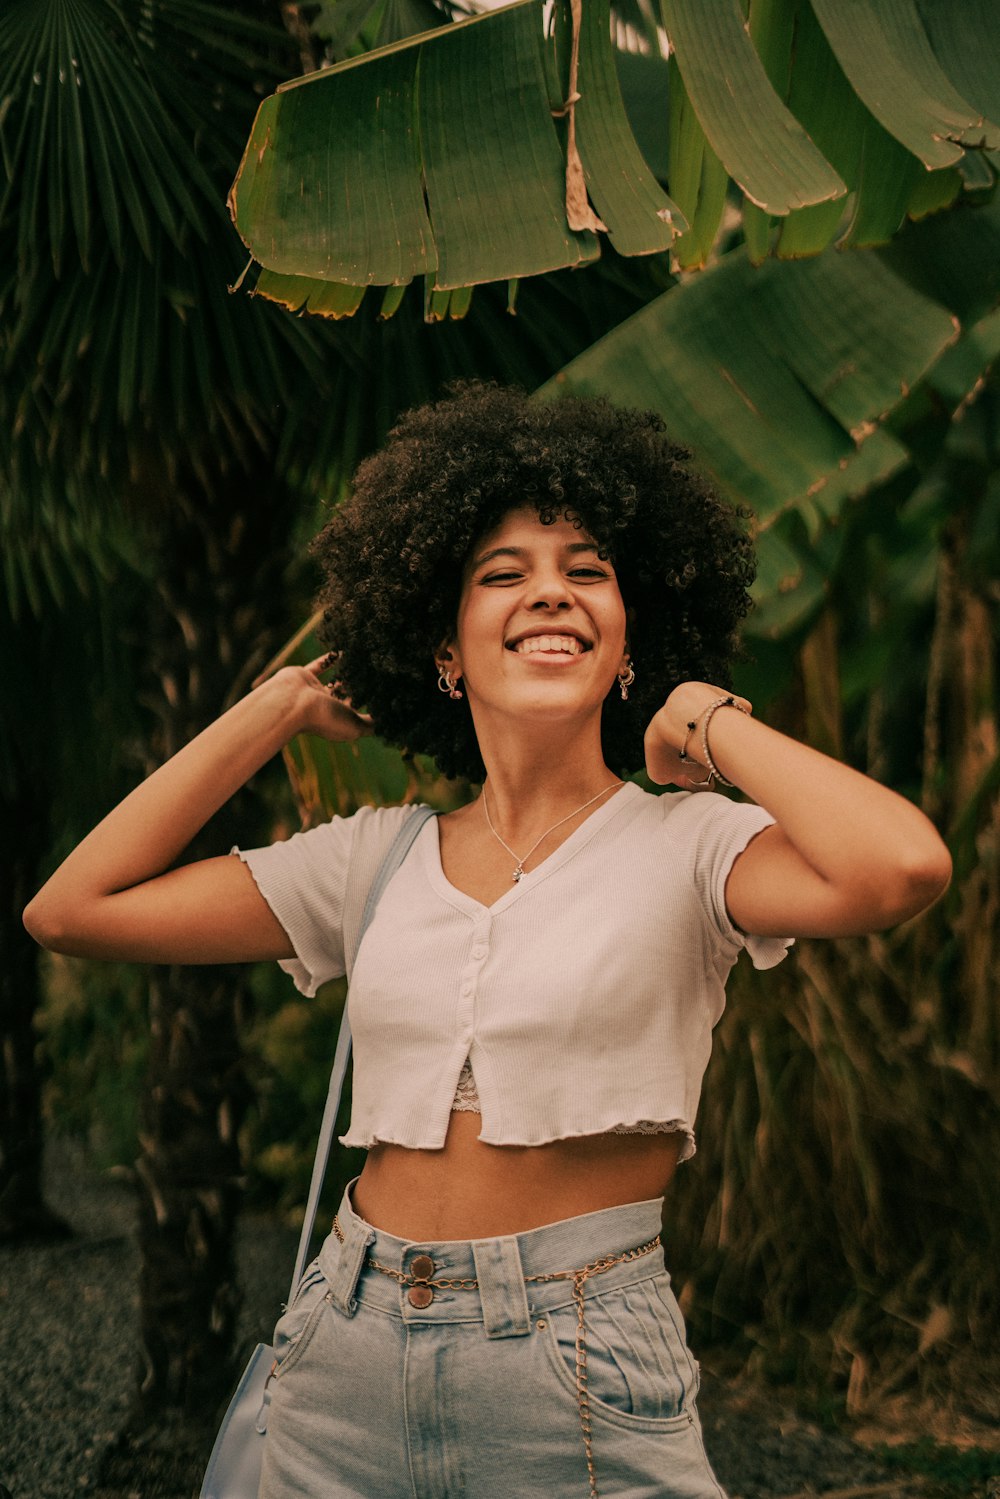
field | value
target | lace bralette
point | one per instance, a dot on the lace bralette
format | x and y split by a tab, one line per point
466	1101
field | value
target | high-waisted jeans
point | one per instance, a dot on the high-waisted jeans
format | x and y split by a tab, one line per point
476	1393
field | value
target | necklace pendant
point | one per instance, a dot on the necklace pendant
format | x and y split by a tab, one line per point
518	872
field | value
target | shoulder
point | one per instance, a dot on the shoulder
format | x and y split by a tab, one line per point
375	831
685	813
333	844
701	827
680	814
366	825
375	823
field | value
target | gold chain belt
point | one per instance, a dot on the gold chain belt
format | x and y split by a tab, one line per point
421	1294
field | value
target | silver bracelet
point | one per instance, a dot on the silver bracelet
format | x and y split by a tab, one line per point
706	717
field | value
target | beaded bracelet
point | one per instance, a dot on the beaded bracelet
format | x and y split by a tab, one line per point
707	762
706	717
682	753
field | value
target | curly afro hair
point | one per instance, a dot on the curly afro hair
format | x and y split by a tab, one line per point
393	555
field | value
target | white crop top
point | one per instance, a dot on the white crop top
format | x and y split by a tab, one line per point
583	999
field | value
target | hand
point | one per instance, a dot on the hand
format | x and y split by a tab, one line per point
668	729
325	712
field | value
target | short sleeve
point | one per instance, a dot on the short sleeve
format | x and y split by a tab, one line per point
304	881
714	831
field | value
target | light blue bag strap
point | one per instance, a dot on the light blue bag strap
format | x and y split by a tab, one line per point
397	853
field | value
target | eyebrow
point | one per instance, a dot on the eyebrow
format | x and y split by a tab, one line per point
573	546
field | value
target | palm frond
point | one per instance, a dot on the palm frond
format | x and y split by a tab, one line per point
120	123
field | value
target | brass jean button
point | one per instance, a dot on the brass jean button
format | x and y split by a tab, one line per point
422	1268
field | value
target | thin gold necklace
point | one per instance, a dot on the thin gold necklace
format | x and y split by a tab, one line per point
520	863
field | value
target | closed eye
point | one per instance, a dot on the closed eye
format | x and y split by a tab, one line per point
576	572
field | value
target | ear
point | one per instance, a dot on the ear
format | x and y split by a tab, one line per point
630	619
446	659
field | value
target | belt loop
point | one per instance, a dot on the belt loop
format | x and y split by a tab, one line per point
341	1261
501	1287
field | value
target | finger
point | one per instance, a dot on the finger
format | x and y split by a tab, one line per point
345	702
322	663
361	726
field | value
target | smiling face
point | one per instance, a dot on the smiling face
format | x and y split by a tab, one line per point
541	622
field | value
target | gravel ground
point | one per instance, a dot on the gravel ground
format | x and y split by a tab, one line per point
68	1314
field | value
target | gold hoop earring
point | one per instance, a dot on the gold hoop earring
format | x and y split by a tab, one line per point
446	683
625	680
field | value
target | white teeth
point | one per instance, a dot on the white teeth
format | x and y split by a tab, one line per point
566	643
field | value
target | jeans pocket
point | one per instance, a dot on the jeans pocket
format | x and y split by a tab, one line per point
638	1363
296	1324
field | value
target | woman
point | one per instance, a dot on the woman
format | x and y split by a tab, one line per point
533	1003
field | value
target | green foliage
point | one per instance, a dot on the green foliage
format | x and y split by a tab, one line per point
830	123
781	376
349	28
839	1226
760	142
94	1036
123	358
840	1196
400	200
766	372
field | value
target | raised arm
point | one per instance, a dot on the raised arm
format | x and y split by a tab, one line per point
111	897
846	856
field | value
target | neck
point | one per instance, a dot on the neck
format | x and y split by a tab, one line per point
532	780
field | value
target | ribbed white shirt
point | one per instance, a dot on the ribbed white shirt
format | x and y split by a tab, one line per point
584	997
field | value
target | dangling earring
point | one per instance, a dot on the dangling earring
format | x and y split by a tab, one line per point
446	683
625	680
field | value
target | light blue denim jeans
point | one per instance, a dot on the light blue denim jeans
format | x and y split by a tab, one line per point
475	1395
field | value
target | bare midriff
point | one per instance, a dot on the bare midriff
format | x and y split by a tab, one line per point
471	1190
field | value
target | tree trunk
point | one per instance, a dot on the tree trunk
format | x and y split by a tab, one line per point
189	1176
23	1211
221	609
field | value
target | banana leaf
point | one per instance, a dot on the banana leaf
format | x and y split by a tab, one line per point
440	157
773	375
836	121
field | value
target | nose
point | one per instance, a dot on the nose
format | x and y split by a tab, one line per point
550	591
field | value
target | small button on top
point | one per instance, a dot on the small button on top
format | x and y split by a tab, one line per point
479	952
421	1295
